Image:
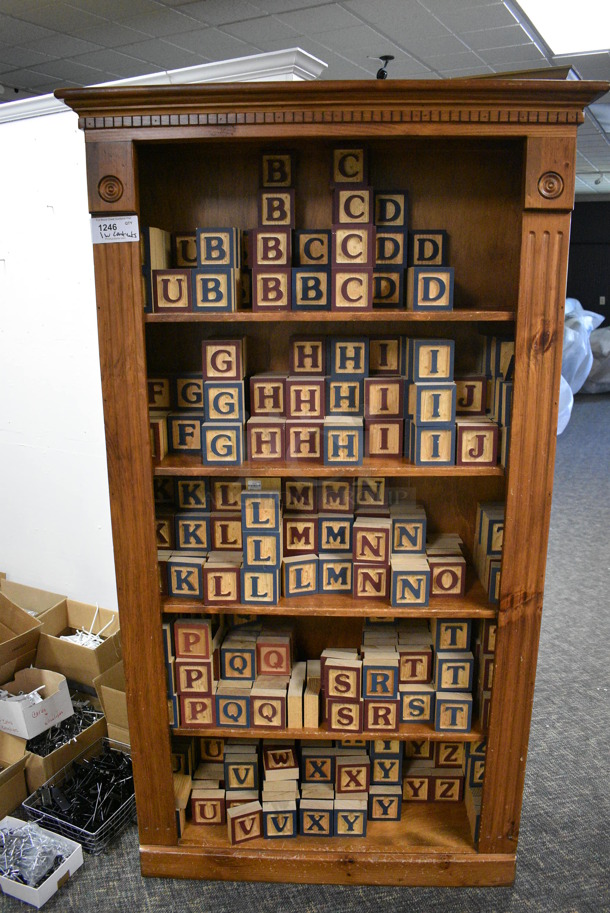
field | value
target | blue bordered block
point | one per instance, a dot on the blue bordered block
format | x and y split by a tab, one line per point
237	661
316	817
192	531
430	288
215	289
475	771
493	588
451	633
300	575
430	404
385	802
335	534
262	550
417	703
191	494
233	709
280	819
409	526
184	432
222	443
388	287
335	573
453	670
311	247
260	587
218	247
386	770
410	581
391	248
317	764
260	511
343	441
311	289
348	357
224	400
453	711
344	396
429	446
430	360
350	817
241	772
380	678
428	247
185	576
391	209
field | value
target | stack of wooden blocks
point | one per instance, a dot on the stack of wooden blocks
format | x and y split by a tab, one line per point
498	364
487	552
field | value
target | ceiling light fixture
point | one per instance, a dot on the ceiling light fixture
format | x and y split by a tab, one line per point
382	72
562	30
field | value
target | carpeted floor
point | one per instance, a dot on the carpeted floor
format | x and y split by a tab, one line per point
564	846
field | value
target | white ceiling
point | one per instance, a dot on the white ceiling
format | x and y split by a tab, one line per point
45	44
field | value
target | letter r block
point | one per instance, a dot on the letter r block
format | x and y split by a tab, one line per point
381	715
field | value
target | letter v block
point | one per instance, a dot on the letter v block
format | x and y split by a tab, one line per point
280	819
245	822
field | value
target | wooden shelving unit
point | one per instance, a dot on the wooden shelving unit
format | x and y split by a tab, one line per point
490	161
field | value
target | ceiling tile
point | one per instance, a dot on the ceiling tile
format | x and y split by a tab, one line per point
461	73
116	9
15	31
163	54
447	62
462	18
111	34
165	22
319	19
118	64
212	44
72	70
512	58
393	18
21	57
358	38
267	27
219	12
60	16
62	46
26	78
284	6
509	36
434	47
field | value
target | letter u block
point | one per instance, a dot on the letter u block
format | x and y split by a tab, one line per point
300	575
311	289
184	248
185	576
453	712
207	807
271	289
172	291
343	441
430	288
224	400
416	703
215	289
222	443
223	359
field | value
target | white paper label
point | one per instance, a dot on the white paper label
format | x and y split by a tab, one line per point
114	229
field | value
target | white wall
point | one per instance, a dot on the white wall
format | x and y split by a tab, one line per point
54	508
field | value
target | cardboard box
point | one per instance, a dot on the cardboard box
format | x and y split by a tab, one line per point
110	687
35	602
79	664
39	769
73	860
13	758
27	720
19	633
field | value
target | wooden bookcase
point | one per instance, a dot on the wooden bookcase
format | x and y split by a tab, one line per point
493	163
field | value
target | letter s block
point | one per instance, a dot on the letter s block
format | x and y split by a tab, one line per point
430	288
416	703
344	715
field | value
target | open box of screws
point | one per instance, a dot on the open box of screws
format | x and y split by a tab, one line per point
90	800
84	716
34	863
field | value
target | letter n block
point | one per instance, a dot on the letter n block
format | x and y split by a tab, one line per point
266	439
476	442
197	712
430	288
371	581
185	576
271	289
371	540
416	703
244	822
223	359
381	715
453	711
343	441
410	581
385	803
222	443
311	289
172	291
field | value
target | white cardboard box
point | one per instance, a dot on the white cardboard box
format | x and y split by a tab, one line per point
39	896
27	720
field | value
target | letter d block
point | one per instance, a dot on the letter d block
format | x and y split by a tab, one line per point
185	576
222	443
271	289
215	289
430	288
172	291
429	248
388	287
311	289
453	711
476	443
223	359
197	712
245	822
343	441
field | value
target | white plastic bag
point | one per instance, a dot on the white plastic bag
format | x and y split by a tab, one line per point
598	380
577	356
566	401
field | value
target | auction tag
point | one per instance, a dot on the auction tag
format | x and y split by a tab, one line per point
114	229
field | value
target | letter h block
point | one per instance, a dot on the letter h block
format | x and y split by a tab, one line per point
371	581
430	288
307	356
268	395
304	440
305	397
266	439
343	441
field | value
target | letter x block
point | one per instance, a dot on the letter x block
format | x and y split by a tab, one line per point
352	774
316	817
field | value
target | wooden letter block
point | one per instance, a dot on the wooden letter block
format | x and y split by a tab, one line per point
416	703
385	355
268	711
353	246
388	287
343	680
277	169
334	574
391	248
226	495
371	492
221	583
165	492
241	771
300	496
260	511
193	531
431	403
223	359
371	540
316	817
453	670
391	209
266	439
476	442
410	581
343	441
352	206
184	432
273	655
279	819
215	289
237	661
245	822
409	531
307	356
193	678
387	771
300	575
416	788
382	748
430	360
344	397
311	289
447	576
350	817
350	166
344	716
381	715
164	530
300	535
453	711
336	496
259	587
222	443
197	712
428	446
193	638
312	247
192	494
268	395
271	248
371	581
171	291
304	440
317	765
383	397
447	788
451	634
218	247
271	289
280	763
415	664
208	806
159	392
471	395
429	248
385	803
380	679
224	400
184	244
420	749
475	771
233	710
383	438
349	357
449	754
352	289
352	774
276	209
305	397
185	576
430	288
226	532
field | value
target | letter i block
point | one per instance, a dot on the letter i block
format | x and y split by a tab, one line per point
280	819
447	576
349	357
260	587
350	817
311	289
352	289
171	291
304	440
244	822
271	247
223	359
266	439
429	248
417	703
224	400
185	576
430	360
184	432
344	715
453	711
476	442
383	438
316	817
197	712
430	288
385	803
431	404
383	397
391	209
430	446
222	443
386	770
221	583
193	677
276	208
305	398
215	289
271	289
385	355
410	581
451	635
192	531
335	574
260	511
453	670
371	581
311	247
388	287
343	441
237	662
218	247
158	435
352	774
268	395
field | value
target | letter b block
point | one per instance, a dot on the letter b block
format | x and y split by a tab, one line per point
311	289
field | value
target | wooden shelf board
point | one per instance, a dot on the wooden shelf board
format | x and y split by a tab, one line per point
375	316
186	465
406	732
473	604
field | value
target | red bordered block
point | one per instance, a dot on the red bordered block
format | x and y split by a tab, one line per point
335	496
307	356
300	496
429	247
383	397
276	208
385	355
171	290
277	169
194	677
226	532
353	246
304	440
305	397
208	806
381	715
271	247
430	288
311	289
391	248
184	248
344	397
343	715
415	663
352	774
388	287
335	574
160	392
476	442
349	166
371	581
268	710
343	679
383	439
266	439
158	434
352	289
300	534
447	575
215	289
222	581
419	749
197	712
417	703
311	247
224	359
268	395
271	289
471	394
244	822
392	209
371	540
352	206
